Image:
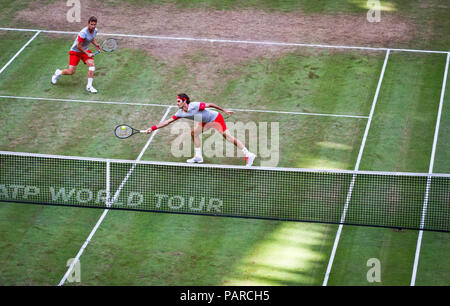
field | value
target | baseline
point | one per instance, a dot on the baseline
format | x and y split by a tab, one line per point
212	40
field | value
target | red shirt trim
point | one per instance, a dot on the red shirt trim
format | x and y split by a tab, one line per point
80	39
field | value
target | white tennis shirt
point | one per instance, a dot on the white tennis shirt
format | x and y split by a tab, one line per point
197	111
85	37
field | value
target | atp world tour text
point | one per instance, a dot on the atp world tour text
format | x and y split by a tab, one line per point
132	199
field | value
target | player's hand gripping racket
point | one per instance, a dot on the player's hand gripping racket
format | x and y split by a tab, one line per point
228	114
109	45
124	131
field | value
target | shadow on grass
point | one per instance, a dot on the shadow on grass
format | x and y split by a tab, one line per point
160	249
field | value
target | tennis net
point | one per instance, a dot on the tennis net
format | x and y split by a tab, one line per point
383	199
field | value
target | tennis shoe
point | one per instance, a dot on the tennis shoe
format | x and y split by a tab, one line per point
195	159
249	159
91	89
56	76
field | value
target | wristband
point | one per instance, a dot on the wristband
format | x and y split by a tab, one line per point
154	128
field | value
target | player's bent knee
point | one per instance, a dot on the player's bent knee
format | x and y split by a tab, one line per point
196	132
71	69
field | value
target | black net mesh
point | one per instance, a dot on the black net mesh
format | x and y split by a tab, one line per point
374	199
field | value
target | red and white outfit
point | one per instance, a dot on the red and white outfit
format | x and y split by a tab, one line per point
197	111
85	37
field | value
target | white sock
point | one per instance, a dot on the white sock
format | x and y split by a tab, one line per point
245	151
58	72
198	152
89	84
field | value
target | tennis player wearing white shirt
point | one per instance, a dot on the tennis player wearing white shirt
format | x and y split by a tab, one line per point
79	51
208	119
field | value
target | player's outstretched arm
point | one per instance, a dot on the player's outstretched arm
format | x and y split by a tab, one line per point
160	125
219	108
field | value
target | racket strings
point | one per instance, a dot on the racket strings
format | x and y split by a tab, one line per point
123	131
110	44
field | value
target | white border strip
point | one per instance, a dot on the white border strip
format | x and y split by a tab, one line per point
162	105
363	143
253	168
100	220
212	40
430	171
20	51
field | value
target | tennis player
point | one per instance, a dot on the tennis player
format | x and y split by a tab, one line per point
209	119
79	51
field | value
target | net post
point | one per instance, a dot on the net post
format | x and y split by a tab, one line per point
108	182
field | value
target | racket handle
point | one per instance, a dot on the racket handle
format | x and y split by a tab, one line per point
96	52
143	131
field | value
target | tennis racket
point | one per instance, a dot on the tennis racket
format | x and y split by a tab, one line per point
109	45
124	131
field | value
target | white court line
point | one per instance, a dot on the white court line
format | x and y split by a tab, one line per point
20	51
213	40
349	194
162	105
430	171
100	220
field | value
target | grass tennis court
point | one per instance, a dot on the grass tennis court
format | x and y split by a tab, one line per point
287	85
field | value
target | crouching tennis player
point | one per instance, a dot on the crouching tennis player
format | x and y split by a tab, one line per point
209	119
79	51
